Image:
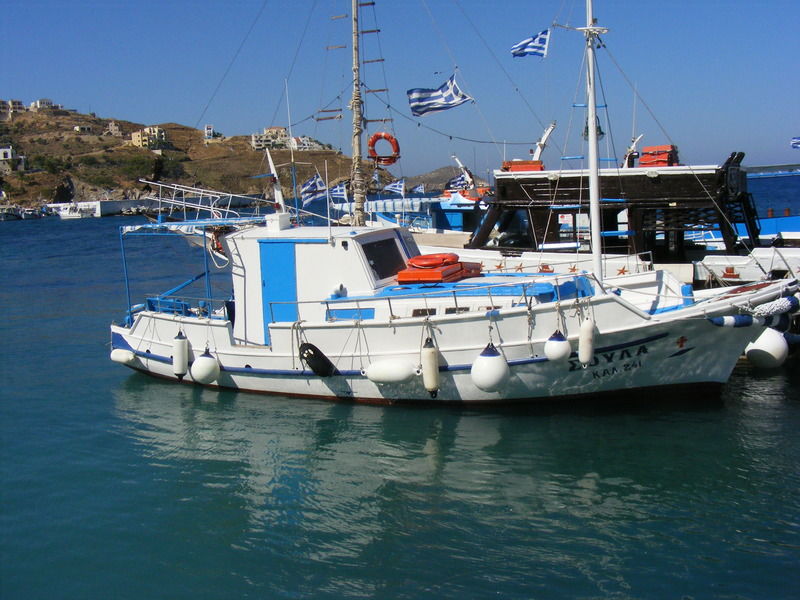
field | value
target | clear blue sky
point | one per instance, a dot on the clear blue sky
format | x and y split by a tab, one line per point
718	75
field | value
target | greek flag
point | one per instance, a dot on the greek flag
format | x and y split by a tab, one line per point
536	45
796	143
339	192
420	189
396	187
423	101
312	185
313	196
458	182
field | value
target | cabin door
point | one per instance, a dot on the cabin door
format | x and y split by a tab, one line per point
278	282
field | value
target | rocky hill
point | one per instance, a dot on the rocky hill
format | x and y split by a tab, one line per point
64	164
438	178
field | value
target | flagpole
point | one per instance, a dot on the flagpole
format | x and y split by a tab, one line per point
291	150
356	105
328	200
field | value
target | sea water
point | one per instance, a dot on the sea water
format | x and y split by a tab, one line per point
117	485
778	194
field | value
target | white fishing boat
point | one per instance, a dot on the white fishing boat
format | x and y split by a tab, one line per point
74	210
356	313
9	212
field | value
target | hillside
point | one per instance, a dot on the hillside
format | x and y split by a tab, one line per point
438	178
64	164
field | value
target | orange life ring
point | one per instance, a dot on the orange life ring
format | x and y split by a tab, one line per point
384	160
431	261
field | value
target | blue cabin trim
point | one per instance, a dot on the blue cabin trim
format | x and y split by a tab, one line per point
279	285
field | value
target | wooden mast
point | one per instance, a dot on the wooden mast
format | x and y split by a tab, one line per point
356	105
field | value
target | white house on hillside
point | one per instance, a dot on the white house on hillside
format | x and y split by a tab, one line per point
272	137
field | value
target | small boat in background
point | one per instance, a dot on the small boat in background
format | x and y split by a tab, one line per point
9	212
74	210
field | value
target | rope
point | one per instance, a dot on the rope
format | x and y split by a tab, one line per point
500	65
777	307
230	64
294	61
669	138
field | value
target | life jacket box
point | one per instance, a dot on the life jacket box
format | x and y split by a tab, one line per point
523	165
432	275
442	274
659	156
471	269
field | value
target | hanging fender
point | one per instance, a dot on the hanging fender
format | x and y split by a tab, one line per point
431	261
317	361
383	160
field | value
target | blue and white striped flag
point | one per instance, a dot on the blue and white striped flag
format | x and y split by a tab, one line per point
396	187
312	185
313	196
423	101
796	143
458	182
420	189
535	46
339	192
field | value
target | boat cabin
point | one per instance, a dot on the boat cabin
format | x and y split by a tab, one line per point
283	275
658	207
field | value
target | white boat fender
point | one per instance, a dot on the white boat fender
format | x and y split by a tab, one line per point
122	356
317	361
180	355
429	359
781	322
205	368
586	342
768	351
557	347
490	370
780	306
739	321
390	370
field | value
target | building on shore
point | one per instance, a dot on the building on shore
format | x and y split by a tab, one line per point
113	129
149	137
272	137
10	161
43	104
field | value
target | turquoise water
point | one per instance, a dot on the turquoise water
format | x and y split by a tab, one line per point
116	485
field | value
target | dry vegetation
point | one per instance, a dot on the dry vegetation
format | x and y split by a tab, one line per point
64	164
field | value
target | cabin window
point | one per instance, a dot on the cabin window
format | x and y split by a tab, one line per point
408	242
384	257
423	312
456	309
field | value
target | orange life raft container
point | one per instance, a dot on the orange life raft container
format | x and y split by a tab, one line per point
437	268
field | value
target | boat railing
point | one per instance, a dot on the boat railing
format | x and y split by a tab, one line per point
208	204
526	293
508	257
171	198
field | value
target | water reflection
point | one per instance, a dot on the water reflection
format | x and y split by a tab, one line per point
344	499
